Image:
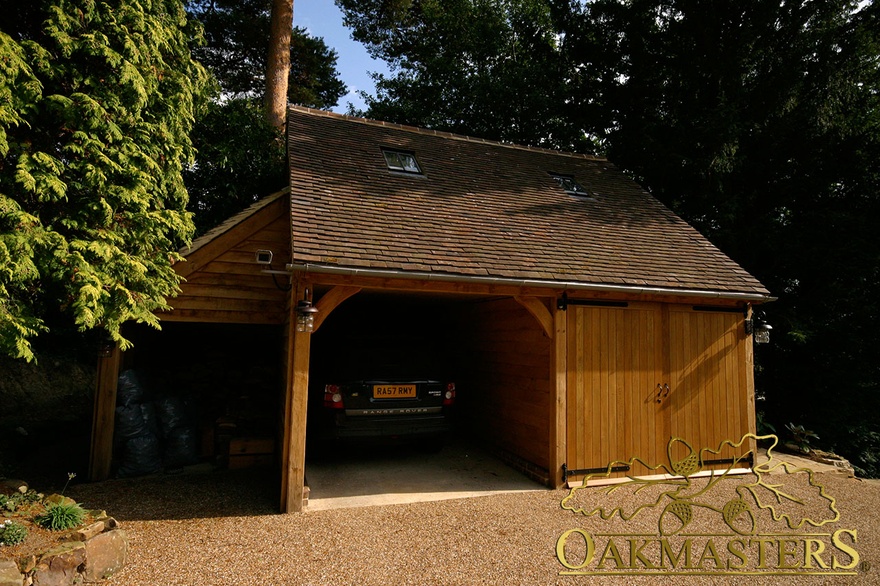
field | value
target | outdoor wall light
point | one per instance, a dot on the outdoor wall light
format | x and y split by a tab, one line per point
264	257
305	315
760	329
762	333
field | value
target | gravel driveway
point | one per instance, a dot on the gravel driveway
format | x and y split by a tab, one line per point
222	529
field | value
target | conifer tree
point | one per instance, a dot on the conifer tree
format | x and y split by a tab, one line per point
96	103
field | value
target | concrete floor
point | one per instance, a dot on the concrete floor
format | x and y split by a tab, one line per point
394	475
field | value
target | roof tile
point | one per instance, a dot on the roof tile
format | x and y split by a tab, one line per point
484	209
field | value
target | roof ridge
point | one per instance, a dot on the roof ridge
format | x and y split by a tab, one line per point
440	133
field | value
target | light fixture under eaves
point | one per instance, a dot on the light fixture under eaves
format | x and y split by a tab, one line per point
263	257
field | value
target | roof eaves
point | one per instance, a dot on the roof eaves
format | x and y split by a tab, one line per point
752	294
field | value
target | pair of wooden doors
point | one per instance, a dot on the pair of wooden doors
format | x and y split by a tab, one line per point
642	373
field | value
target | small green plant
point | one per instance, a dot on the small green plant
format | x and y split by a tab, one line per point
61	516
12	533
70	476
15	501
800	437
763	426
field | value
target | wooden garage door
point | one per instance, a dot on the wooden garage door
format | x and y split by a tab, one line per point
643	373
613	413
708	372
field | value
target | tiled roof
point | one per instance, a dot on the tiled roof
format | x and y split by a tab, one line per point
484	209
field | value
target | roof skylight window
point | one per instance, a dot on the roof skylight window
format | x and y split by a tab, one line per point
570	185
402	161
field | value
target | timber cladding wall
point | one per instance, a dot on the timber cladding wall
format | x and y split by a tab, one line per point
506	399
641	374
224	284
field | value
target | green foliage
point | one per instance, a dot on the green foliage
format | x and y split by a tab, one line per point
241	159
237	37
490	69
762	425
61	516
863	448
12	533
800	437
17	500
96	103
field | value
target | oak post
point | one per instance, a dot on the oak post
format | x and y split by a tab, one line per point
295	408
106	382
558	397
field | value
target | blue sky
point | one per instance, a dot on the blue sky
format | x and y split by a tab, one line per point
323	18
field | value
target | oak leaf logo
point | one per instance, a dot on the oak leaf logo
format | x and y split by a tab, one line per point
682	486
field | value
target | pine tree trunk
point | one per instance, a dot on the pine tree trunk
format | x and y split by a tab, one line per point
278	62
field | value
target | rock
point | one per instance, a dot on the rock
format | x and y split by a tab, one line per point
842	465
9	574
59	499
105	555
12	485
59	565
109	523
27	563
89	531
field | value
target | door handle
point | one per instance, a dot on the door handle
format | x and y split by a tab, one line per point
662	392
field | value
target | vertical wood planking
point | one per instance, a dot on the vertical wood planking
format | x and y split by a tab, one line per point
709	368
618	356
512	378
615	350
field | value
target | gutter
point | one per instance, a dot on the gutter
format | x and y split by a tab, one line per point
502	281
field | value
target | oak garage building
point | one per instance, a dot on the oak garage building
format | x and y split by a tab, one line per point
583	320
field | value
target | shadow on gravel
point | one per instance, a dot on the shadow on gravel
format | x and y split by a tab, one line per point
354	477
196	495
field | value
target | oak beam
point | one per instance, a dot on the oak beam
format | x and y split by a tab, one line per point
331	300
537	308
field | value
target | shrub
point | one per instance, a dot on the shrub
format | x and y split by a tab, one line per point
12	533
61	516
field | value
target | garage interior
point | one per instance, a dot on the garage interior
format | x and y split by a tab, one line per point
229	380
491	348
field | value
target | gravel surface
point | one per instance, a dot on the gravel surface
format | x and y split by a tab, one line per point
221	529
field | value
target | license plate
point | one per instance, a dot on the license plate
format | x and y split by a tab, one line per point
394	391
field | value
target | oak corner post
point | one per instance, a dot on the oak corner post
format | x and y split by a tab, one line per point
295	408
559	398
106	382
